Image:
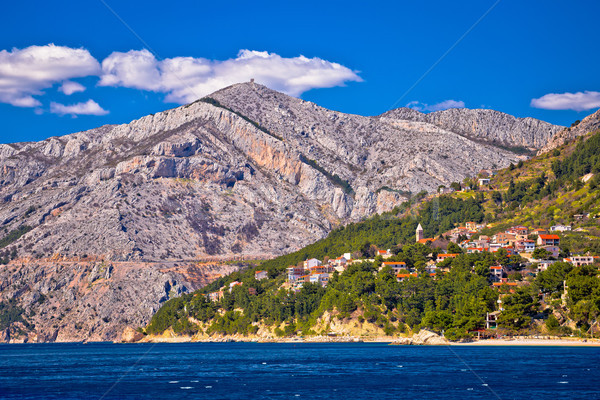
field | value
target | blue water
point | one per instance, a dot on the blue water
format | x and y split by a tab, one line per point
291	371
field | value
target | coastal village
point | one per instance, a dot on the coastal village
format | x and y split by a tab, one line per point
526	243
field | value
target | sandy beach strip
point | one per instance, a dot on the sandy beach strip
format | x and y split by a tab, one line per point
532	342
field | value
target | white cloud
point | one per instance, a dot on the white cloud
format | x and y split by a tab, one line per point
90	107
579	101
444	105
70	87
24	73
185	79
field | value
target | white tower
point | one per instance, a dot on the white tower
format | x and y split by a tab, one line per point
420	233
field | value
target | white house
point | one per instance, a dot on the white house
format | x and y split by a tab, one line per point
234	284
294	273
340	261
258	275
311	263
494	247
497	272
321	279
544	264
526	246
560	228
578	261
396	266
384	253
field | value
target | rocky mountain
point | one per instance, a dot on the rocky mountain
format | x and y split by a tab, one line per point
489	126
65	300
246	172
590	123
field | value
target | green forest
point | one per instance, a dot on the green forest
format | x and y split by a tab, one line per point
454	303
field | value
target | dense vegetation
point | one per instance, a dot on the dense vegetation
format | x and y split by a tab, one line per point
550	189
14	235
454	303
11	313
584	159
9	254
457	301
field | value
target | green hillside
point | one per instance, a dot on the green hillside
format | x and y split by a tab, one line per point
538	193
550	190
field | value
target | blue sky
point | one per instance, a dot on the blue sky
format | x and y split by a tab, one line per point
534	58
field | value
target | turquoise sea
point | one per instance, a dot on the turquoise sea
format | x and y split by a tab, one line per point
291	371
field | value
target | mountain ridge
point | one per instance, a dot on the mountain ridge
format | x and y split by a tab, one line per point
505	130
347	167
245	173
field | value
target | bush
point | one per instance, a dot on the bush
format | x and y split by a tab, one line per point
455	334
552	323
565	331
14	235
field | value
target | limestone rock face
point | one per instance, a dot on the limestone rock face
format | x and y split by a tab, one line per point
590	123
488	126
67	301
129	335
246	173
424	337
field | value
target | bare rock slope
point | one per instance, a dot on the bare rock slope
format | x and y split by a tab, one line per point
590	123
488	126
246	172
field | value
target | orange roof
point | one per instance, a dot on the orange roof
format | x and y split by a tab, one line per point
505	283
393	263
405	275
549	237
423	241
448	255
496	267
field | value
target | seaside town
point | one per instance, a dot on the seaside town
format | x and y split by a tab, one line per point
533	250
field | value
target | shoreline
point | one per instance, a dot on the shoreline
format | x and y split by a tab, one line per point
549	342
520	341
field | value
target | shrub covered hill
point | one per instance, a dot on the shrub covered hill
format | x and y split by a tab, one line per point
368	298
